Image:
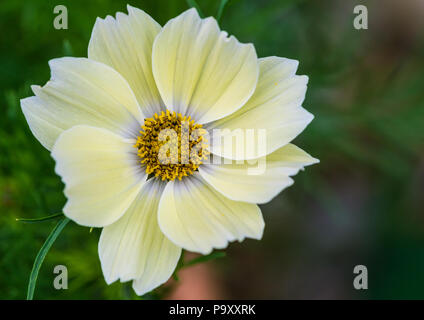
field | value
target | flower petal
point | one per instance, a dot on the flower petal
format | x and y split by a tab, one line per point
275	106
199	71
101	172
125	44
135	248
81	91
198	218
260	180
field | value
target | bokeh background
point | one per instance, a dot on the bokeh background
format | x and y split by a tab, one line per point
363	204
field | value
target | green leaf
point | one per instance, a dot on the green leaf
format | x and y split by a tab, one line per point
35	220
221	9
201	259
42	254
193	4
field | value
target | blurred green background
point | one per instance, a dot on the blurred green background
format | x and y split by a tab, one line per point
361	205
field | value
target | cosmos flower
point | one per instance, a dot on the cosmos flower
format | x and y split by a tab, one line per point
101	118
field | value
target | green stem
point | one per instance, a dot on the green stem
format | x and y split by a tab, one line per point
35	220
42	254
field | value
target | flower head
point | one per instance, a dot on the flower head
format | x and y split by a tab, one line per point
177	161
128	128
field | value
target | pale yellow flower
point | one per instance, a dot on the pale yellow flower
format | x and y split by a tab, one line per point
93	115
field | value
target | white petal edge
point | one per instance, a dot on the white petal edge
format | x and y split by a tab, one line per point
134	248
125	44
198	218
81	92
101	172
258	180
200	71
274	107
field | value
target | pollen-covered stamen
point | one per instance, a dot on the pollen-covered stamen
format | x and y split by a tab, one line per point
171	146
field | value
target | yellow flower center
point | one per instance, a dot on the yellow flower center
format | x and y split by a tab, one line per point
171	146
